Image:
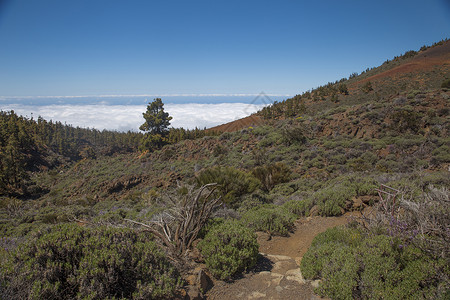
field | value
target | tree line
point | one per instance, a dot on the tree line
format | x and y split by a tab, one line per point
28	144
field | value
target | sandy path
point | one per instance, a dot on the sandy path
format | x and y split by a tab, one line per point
277	274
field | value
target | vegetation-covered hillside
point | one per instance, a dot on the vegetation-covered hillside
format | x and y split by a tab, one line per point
72	199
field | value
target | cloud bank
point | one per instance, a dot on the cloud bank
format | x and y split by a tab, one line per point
129	117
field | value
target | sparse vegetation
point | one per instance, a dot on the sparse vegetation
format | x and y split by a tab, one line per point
85	214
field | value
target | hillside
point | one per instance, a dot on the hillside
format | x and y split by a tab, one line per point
319	154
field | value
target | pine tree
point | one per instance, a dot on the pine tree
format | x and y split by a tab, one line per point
156	125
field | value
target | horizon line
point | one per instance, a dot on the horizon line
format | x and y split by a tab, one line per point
147	95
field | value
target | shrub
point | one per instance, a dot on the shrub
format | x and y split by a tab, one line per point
406	119
270	218
271	175
229	248
299	208
441	155
354	265
294	134
219	150
272	138
332	199
232	182
367	87
446	84
323	245
253	200
70	262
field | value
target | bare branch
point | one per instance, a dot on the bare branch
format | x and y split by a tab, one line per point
178	226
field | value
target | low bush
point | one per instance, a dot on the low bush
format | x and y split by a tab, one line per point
229	248
355	265
69	262
446	84
331	200
294	134
441	155
299	208
406	120
232	183
270	218
271	175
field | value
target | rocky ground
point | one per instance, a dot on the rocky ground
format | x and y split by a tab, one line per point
277	274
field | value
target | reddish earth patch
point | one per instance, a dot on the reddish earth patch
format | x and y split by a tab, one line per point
436	56
246	122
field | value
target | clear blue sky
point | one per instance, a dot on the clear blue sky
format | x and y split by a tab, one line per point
78	47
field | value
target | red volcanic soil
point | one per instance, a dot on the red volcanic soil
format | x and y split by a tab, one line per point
423	61
246	122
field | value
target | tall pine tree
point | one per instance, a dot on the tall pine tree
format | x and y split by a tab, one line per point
156	126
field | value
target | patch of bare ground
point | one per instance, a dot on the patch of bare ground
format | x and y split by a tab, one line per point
277	274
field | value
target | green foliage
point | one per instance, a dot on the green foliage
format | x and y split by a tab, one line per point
271	175
354	265
441	155
446	84
367	87
299	207
323	247
272	138
274	219
219	150
332	199
342	88
232	182
294	134
156	123
229	248
28	145
364	162
69	262
406	119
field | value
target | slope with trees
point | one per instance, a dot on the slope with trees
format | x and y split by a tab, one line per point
312	156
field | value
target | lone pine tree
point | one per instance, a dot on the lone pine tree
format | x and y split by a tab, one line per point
156	125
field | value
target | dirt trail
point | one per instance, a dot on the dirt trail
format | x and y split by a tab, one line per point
297	243
277	274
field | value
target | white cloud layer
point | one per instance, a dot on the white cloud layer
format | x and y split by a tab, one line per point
129	117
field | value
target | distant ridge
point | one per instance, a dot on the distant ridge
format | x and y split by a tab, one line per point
433	59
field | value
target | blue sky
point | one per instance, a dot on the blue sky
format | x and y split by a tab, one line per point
98	47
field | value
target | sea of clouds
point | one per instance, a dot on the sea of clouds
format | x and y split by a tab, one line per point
129	117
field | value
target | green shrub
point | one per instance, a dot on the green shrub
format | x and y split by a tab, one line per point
367	87
355	265
284	189
253	200
272	138
332	199
219	150
441	155
232	182
340	274
270	218
299	208
229	248
271	175
70	261
294	134
406	119
446	84
323	245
